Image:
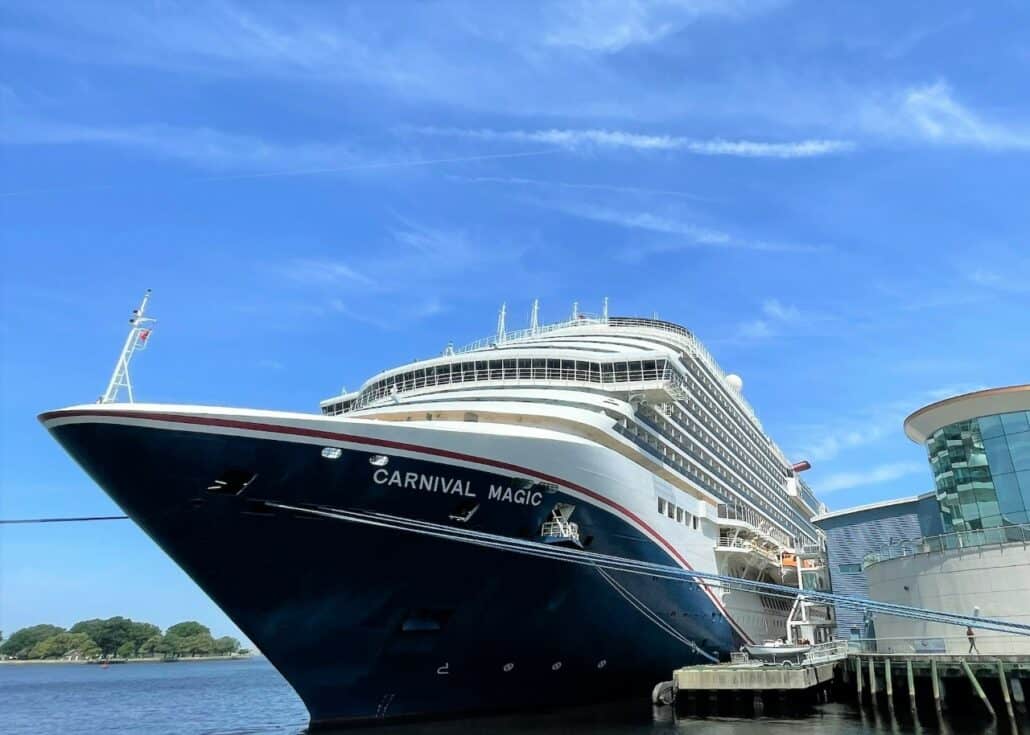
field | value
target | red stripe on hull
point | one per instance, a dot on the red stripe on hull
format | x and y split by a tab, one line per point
300	431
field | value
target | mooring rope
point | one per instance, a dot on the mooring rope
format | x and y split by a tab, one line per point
665	571
77	519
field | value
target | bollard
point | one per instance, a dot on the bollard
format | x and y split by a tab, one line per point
1005	692
978	689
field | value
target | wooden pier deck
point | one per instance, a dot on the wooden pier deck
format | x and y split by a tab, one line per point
987	686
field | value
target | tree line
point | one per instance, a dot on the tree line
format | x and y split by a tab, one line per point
116	637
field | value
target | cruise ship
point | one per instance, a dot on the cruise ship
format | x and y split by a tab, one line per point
405	551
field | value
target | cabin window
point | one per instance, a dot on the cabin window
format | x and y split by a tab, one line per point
671	511
679	515
694	522
661	505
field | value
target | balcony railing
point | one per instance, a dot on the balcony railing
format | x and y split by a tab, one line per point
951	541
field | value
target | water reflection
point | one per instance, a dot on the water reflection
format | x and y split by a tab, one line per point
635	718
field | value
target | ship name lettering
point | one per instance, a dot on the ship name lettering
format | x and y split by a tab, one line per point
427	483
519	497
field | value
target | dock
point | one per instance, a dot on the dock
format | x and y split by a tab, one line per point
747	687
922	686
939	680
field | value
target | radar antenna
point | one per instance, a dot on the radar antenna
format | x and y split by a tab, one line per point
139	335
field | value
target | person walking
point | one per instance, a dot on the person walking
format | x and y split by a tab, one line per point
972	640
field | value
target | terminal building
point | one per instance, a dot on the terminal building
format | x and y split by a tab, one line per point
964	547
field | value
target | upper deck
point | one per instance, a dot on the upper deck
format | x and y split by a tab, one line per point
629	337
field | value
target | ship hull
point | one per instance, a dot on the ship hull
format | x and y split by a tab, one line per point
369	623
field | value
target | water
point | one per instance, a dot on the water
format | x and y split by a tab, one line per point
248	697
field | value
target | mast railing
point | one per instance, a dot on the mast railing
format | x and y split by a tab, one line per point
137	339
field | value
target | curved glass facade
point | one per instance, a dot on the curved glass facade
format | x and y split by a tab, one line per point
981	469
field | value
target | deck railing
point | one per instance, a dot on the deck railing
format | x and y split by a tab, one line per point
638	380
694	346
734	512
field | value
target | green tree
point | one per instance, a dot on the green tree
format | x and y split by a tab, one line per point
186	628
62	644
200	644
155	645
139	633
188	638
226	645
113	633
22	641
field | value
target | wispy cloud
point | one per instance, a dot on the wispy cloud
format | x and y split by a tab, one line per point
595	139
825	441
932	114
226	154
428	266
613	25
205	147
687	234
872	476
1015	278
777	319
521	181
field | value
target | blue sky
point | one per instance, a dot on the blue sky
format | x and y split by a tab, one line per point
832	196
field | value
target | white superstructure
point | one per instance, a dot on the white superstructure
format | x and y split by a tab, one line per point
672	440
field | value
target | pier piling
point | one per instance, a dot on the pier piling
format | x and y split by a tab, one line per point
911	688
1017	695
889	683
1003	681
935	682
978	689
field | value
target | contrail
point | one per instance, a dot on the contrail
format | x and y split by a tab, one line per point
305	172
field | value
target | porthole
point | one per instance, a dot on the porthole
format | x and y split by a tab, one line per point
556	666
508	667
332	452
379	460
602	663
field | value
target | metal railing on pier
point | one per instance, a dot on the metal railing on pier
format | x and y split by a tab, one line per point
979	538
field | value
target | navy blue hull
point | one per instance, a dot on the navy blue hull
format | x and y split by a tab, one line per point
370	623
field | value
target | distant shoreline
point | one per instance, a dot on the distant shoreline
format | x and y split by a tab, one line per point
122	661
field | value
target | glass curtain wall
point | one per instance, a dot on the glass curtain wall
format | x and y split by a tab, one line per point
981	470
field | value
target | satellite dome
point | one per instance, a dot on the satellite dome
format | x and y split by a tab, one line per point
735	382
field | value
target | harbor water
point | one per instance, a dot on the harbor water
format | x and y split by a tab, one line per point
249	697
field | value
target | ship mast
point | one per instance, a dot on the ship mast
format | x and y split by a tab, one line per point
139	333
